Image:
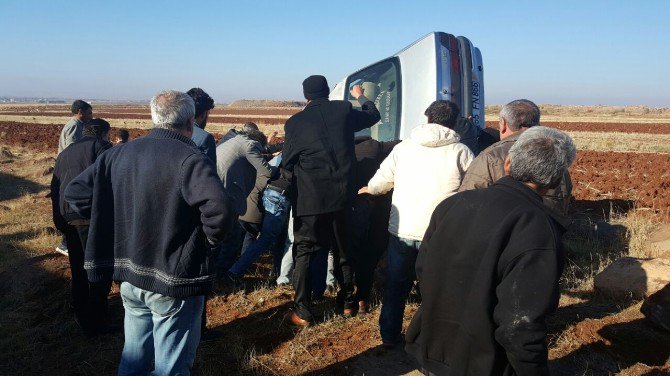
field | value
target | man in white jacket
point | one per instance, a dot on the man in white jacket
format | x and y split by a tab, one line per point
423	171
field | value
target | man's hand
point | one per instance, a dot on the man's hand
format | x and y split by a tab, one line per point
271	137
363	191
356	91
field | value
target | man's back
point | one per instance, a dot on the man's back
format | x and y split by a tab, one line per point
155	202
239	161
422	171
319	149
70	163
70	134
488	268
487	168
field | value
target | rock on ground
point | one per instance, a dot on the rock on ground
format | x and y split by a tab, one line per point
634	277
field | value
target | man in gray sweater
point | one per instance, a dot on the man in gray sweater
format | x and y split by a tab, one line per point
71	133
239	162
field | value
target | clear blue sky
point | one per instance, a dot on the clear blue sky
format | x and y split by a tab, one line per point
563	52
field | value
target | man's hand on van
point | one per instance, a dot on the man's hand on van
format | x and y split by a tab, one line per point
356	91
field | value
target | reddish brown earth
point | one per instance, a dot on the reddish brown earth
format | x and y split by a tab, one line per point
642	178
655	128
147	116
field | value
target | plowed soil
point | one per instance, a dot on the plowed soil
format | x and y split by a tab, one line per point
657	128
643	178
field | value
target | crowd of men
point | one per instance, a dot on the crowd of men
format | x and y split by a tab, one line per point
167	214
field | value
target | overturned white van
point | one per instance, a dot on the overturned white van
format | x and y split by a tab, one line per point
437	66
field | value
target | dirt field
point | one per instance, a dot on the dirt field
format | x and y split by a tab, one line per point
619	199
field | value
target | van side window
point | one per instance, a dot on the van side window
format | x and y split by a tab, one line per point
381	84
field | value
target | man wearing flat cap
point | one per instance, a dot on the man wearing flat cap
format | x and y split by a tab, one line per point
319	153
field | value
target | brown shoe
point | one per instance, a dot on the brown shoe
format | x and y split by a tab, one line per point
362	307
348	312
296	320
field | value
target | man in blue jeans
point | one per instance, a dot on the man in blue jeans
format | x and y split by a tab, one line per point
156	207
422	170
276	209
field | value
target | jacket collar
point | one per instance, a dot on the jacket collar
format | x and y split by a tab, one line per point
316	102
170	134
533	197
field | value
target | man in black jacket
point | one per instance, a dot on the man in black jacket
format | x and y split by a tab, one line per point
489	267
88	299
370	216
319	152
156	206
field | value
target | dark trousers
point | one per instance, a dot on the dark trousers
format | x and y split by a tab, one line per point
400	275
316	234
89	299
369	239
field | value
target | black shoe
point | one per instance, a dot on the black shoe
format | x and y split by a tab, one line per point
399	343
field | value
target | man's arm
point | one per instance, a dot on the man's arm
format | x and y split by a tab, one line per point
527	293
255	157
202	188
58	219
369	114
384	179
79	193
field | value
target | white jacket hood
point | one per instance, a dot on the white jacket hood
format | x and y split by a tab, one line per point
433	135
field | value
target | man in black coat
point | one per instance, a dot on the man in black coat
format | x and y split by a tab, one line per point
88	299
370	216
319	151
489	266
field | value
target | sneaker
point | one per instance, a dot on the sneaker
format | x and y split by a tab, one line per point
62	249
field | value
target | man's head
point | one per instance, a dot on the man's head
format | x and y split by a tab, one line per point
82	111
122	136
249	127
540	157
444	113
173	110
518	115
203	103
315	87
257	135
98	128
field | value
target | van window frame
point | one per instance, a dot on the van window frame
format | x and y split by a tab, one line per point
396	63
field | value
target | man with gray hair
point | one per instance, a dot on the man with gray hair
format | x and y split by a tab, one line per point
489	266
515	118
156	206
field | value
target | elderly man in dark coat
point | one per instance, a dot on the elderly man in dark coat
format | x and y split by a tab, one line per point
319	151
489	266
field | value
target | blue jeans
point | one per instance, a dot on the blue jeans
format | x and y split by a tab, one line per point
400	274
230	248
276	210
159	330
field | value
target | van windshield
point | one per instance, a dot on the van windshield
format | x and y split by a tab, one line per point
381	84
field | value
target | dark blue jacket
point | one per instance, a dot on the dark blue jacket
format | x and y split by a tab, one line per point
153	203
